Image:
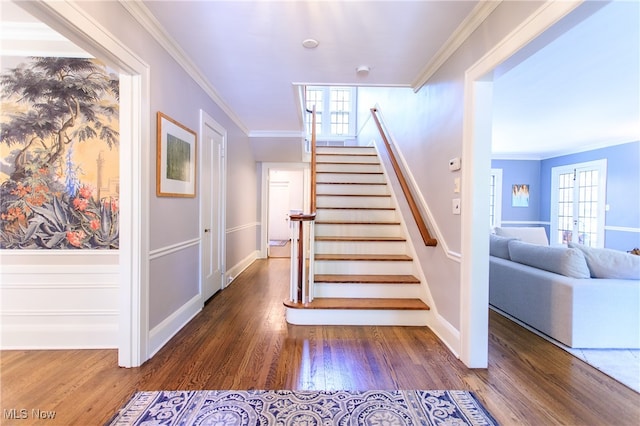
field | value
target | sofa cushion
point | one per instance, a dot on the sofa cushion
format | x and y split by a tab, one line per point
499	246
528	234
608	263
561	260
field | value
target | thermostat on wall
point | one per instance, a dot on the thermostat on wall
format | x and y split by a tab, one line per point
454	164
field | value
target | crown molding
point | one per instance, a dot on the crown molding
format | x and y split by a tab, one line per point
477	16
560	153
146	19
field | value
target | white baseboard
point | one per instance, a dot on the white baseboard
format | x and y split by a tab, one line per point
237	269
163	332
447	334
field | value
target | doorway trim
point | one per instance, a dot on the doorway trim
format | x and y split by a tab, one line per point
264	213
474	280
71	21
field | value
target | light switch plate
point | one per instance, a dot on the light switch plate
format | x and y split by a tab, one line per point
455	205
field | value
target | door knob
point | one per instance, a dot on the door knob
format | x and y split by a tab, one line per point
207	230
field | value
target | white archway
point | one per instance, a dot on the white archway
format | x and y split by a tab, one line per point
476	150
71	21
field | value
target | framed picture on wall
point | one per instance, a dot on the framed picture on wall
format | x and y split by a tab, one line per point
520	195
176	159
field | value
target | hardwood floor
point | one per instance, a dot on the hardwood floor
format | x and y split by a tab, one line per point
241	341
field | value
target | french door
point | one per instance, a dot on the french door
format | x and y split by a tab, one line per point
578	203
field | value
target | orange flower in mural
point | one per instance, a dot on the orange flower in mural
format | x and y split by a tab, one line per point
95	224
21	190
80	204
75	238
85	192
14	213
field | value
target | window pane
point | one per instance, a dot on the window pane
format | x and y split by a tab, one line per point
340	100
314	98
339	123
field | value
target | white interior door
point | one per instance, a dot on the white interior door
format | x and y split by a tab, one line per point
279	194
212	193
286	193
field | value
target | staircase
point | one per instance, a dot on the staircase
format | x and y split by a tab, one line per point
363	272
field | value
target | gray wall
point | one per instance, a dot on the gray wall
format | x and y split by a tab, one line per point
427	126
174	221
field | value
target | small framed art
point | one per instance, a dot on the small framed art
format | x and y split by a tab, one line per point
176	159
520	195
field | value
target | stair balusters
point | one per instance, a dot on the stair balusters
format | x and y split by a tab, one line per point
301	270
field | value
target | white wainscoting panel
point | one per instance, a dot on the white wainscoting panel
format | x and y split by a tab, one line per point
59	299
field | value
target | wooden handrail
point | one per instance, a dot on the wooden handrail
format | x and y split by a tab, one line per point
426	237
313	160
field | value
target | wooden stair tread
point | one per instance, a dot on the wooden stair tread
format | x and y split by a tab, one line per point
351	183
355	154
364	279
353	195
355	208
359	239
347	172
353	222
349	163
380	257
346	303
343	146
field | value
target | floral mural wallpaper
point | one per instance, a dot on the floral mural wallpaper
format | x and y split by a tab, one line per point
59	165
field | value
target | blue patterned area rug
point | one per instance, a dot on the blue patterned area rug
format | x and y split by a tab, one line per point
303	408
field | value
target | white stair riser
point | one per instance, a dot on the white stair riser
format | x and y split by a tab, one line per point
356	317
356	247
356	215
350	230
354	168
363	267
347	158
372	291
351	177
345	201
352	150
345	188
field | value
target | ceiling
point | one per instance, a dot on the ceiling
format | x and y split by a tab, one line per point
574	88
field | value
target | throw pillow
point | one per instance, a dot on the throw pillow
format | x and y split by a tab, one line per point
609	263
569	262
499	246
528	234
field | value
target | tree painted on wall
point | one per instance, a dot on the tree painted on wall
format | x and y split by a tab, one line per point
56	104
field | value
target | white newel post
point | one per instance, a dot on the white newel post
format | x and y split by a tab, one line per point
301	284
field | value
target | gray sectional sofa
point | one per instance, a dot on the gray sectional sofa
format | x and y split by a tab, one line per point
579	296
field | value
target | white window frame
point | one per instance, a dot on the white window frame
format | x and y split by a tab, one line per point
325	130
601	166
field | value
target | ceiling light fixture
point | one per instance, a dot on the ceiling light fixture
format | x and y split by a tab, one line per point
310	43
362	70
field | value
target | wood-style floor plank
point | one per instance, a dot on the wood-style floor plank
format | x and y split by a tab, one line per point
241	341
